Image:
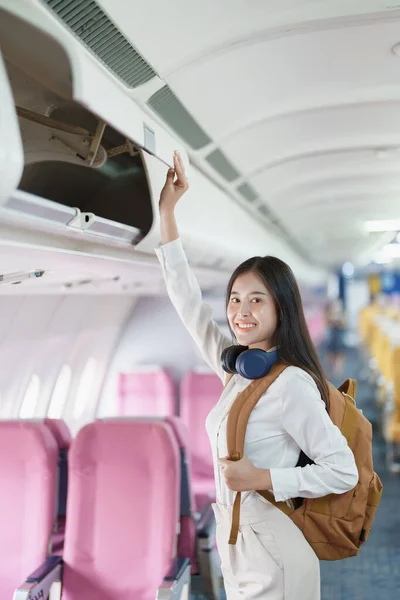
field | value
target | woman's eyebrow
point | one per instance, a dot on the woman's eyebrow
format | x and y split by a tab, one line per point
250	294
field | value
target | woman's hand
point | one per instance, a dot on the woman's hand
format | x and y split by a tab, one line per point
243	476
174	190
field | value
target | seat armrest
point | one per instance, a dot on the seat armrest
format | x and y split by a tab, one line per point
37	585
206	523
177	569
176	584
44	569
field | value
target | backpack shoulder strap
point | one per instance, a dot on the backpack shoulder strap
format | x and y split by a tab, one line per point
236	429
241	408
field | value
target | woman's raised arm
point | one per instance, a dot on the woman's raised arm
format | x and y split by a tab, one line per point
170	194
182	286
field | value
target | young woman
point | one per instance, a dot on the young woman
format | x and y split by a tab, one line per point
271	559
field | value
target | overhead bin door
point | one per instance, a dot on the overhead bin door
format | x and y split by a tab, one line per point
11	153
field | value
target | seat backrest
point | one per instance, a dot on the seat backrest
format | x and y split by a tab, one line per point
123	510
146	393
199	393
182	437
187	535
28	471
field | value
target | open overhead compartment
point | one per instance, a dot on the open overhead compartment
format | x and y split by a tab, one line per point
36	41
83	138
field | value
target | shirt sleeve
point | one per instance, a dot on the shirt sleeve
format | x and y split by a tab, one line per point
306	420
185	294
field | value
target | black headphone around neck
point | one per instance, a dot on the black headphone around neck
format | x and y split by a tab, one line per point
250	364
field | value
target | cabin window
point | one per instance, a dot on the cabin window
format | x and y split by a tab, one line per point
31	398
85	388
60	393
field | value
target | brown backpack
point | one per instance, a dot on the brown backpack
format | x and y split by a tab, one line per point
335	525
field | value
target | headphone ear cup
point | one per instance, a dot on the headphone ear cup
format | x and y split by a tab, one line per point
255	363
229	357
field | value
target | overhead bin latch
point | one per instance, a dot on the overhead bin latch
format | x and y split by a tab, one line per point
82	220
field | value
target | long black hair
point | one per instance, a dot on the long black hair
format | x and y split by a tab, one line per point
292	337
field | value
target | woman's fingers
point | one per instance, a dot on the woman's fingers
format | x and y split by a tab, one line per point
182	166
180	171
170	176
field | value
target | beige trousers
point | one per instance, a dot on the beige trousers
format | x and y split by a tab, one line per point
271	560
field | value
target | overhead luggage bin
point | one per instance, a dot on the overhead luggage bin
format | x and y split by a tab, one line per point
83	137
29	31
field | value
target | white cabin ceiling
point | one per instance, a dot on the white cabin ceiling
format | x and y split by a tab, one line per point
302	98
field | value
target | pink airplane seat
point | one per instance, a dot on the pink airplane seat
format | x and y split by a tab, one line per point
62	435
196	539
146	393
123	513
199	393
28	473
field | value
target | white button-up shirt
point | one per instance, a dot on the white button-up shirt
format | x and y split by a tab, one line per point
290	415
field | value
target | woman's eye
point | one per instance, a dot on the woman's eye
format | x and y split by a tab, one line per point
256	300
234	300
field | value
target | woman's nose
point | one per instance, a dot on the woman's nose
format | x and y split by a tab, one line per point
244	312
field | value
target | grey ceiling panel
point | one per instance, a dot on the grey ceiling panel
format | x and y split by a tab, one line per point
222	165
264	210
171	110
247	191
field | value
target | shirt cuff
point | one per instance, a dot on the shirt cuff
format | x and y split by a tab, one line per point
171	253
285	483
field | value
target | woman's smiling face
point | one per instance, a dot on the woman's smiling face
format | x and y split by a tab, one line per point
251	312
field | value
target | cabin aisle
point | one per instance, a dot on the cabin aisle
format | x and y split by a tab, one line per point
376	571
